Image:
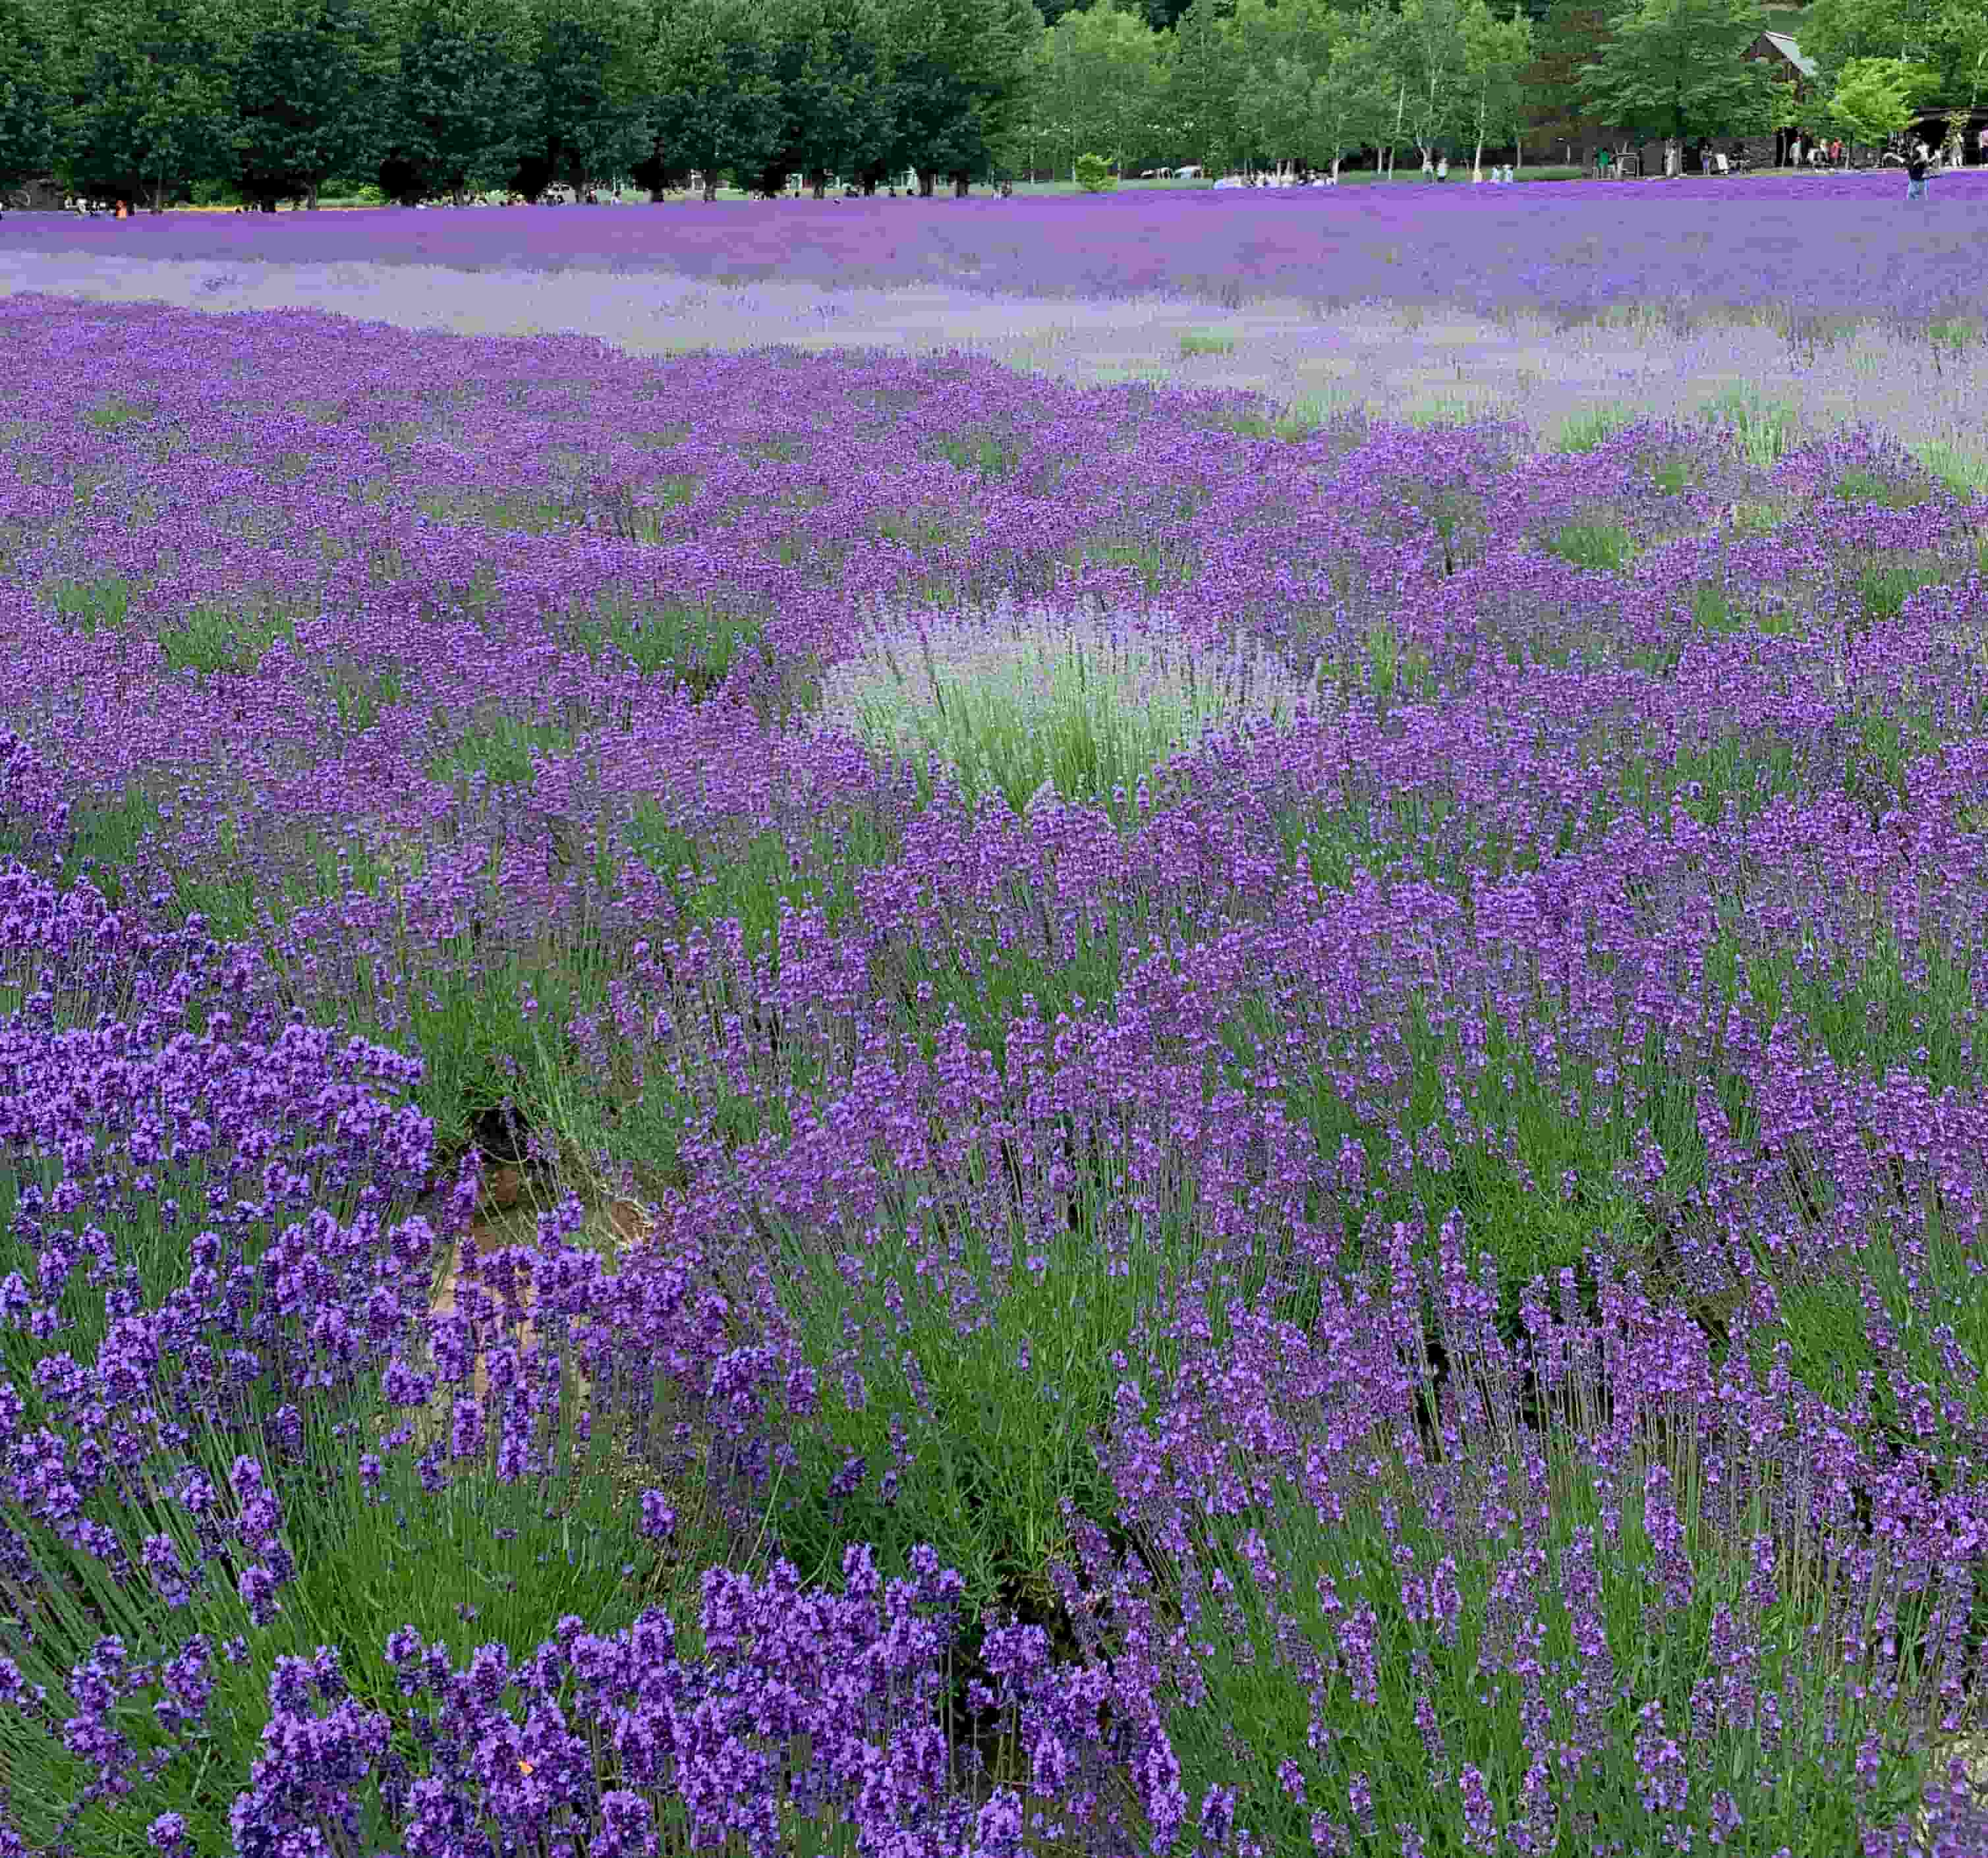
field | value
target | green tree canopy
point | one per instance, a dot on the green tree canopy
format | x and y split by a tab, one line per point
1432	52
28	97
145	106
1572	36
1101	77
957	70
715	100
465	99
312	82
1201	86
1674	68
1874	97
1496	53
830	71
592	58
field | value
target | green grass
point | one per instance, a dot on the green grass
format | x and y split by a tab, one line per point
1962	469
1605	547
1764	430
500	748
990	456
698	643
1592	427
1304	416
1205	341
90	605
212	639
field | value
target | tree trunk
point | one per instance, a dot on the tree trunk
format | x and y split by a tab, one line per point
312	196
961	187
1477	159
924	184
820	186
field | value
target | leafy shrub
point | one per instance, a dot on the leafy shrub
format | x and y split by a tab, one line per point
1094	175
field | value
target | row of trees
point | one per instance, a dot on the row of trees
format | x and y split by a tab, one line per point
1882	62
144	98
274	98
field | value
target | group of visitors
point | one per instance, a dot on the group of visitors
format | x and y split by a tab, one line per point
87	207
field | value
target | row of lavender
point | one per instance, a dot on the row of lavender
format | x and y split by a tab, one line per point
1804	247
1464	1203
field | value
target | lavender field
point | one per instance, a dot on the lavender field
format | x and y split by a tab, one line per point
1196	1074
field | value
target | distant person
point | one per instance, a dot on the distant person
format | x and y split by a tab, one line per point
1442	169
1915	171
1981	148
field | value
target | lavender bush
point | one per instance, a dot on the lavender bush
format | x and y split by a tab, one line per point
1335	1206
1036	709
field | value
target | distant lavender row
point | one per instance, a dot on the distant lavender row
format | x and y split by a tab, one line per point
1832	245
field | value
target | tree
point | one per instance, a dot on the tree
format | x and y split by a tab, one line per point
27	96
1874	97
1031	129
1835	32
1431	48
592	58
1103	82
828	65
1496	52
311	81
1344	109
1572	36
1199	103
957	68
1279	52
1673	69
1957	49
145	106
464	99
715	102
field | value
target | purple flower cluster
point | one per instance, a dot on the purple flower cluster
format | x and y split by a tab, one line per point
1402	1280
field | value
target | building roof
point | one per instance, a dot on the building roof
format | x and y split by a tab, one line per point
1792	52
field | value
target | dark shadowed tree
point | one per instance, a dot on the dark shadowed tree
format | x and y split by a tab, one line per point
715	102
831	64
957	72
594	123
144	105
1572	36
466	96
312	80
27	96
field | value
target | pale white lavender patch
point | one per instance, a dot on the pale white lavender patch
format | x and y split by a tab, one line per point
1037	704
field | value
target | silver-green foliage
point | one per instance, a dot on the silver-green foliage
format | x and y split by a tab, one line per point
1030	704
